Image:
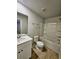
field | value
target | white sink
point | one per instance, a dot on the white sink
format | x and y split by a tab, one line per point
23	38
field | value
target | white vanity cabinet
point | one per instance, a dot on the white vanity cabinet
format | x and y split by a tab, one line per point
24	50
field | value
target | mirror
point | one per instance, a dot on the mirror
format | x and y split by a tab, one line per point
18	26
22	23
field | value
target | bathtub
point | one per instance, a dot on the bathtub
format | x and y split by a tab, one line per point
55	47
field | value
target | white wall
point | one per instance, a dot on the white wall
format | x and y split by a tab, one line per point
23	23
32	18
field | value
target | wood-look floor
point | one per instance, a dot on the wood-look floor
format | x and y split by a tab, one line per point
49	54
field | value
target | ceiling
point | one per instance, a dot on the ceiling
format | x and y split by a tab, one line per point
44	8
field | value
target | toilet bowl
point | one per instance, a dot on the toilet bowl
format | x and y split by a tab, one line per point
39	44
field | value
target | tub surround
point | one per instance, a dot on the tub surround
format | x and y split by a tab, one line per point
51	35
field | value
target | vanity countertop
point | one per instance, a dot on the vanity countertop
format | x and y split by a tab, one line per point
23	38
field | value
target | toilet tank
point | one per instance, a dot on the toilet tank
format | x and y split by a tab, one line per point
35	38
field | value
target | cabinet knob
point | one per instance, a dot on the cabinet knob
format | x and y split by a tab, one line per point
21	50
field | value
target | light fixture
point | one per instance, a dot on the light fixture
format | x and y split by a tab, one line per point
43	9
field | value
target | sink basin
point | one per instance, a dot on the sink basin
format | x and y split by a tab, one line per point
21	38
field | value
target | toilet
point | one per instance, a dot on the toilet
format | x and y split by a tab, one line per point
39	44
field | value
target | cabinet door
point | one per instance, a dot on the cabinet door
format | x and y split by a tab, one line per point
26	52
18	54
